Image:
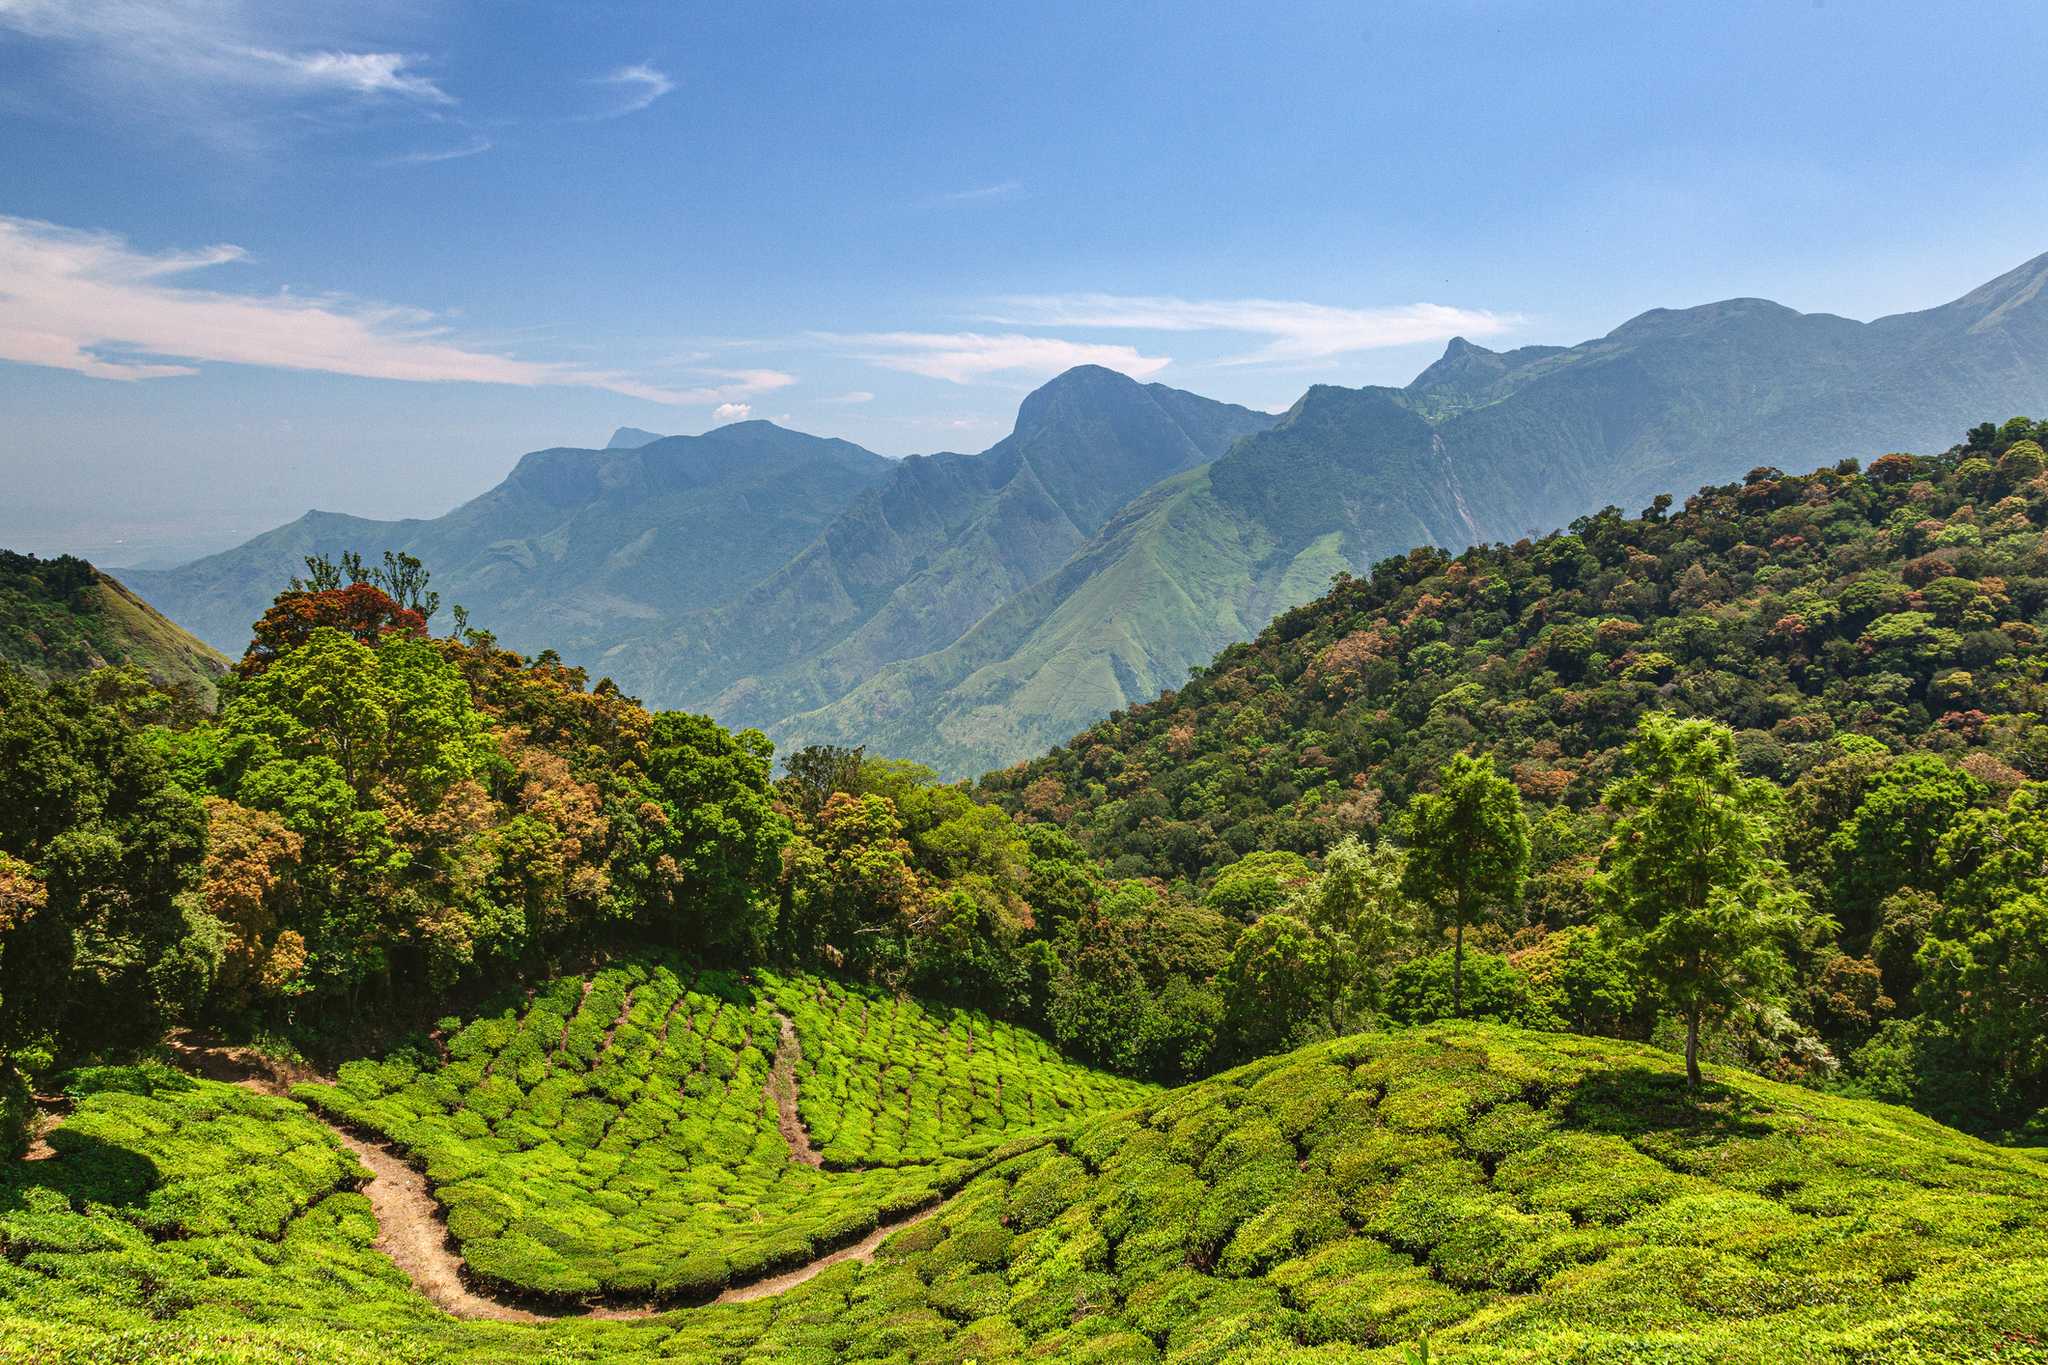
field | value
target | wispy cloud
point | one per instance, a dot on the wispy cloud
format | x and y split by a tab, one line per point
428	156
1006	189
850	399
215	43
361	73
962	357
90	303
1296	332
634	88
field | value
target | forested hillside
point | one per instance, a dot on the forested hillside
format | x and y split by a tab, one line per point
1426	794
62	617
1871	637
673	1044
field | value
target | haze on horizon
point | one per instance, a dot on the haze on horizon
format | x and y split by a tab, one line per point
253	262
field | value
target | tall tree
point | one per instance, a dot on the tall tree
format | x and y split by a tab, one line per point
1468	852
1687	875
1355	905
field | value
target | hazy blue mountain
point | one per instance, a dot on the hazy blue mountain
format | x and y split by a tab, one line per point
576	548
631	438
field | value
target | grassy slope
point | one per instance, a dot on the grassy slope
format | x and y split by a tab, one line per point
1517	1196
50	638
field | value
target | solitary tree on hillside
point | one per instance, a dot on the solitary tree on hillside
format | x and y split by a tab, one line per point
1468	853
1686	873
1355	906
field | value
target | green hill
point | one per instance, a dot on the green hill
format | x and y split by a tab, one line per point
1508	1196
62	617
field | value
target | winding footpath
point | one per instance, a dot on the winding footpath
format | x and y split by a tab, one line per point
412	1228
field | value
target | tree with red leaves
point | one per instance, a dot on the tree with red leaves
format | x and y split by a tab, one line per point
360	610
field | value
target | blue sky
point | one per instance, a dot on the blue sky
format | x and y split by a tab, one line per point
259	257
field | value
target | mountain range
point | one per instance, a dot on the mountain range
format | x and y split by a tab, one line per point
971	610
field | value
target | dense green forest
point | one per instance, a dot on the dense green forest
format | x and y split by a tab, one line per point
1760	778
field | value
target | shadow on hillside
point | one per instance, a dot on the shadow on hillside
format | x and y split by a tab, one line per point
1639	1102
84	1170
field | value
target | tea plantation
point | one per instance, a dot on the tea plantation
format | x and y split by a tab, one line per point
885	1080
614	1135
1512	1196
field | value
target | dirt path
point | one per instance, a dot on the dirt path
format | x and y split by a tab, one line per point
782	1089
863	1251
412	1229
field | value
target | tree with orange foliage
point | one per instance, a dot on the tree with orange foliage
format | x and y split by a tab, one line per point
360	610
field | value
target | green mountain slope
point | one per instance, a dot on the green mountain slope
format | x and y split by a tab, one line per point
1482	446
918	560
1509	1196
575	547
61	617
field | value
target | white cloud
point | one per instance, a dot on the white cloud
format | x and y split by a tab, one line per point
1297	332
212	44
637	87
431	155
363	73
732	412
857	396
90	303
962	357
1006	189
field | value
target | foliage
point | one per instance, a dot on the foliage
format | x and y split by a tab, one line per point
1702	906
1509	1197
1469	849
96	846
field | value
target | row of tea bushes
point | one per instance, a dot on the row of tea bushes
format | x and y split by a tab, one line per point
887	1081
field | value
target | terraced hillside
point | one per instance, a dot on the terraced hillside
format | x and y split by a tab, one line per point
631	1133
1512	1196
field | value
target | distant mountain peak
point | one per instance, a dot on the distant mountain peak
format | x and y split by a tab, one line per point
631	438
